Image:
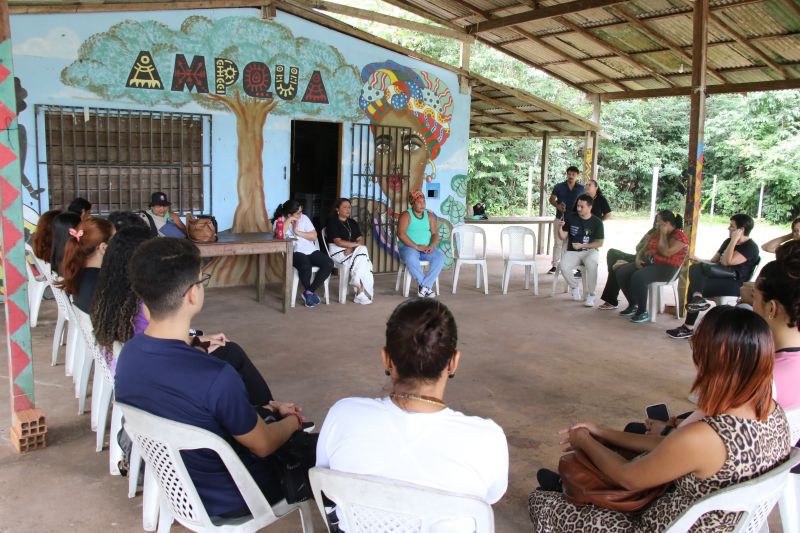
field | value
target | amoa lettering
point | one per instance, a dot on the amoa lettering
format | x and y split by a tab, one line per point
256	78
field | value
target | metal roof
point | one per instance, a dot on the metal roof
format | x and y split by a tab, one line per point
497	110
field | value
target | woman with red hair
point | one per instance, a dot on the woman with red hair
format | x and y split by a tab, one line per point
83	256
743	435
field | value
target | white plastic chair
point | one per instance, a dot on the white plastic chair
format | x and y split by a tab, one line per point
62	302
655	300
37	283
557	275
789	503
372	504
161	442
755	498
515	253
103	382
466	252
344	271
405	275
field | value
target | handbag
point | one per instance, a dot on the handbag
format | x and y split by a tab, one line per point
715	270
202	228
584	483
295	458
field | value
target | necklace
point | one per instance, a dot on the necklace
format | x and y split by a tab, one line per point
419	217
418	397
346	224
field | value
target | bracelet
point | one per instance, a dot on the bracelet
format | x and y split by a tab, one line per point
299	419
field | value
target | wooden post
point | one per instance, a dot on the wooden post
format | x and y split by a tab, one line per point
654	193
542	181
18	333
463	81
713	194
597	102
697	116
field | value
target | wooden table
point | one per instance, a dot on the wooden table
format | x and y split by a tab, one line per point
259	244
522	221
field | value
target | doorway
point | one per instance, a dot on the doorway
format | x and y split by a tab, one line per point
316	167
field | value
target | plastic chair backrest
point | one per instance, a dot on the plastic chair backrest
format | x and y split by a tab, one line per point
755	498
371	504
325	241
31	262
85	323
161	441
793	416
464	239
517	236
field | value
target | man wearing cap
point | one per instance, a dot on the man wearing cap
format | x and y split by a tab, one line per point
167	223
418	232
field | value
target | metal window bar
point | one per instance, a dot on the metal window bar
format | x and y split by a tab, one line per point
116	158
379	183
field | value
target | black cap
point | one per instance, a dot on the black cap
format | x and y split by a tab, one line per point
159	198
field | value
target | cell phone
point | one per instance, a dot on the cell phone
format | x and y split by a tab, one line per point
657	411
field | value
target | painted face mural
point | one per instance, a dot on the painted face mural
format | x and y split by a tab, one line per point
410	112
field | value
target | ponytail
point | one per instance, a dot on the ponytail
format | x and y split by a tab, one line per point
82	243
285	209
672	218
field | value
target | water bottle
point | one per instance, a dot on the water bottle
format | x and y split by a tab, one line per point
279	228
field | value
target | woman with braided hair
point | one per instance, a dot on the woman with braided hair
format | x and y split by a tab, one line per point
410	111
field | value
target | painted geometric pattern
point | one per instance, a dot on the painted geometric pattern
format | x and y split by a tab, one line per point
18	333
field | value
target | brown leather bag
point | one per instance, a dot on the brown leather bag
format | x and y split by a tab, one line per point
202	229
584	483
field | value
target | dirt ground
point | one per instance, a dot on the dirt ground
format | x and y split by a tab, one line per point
534	364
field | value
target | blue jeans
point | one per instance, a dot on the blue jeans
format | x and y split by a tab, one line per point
412	257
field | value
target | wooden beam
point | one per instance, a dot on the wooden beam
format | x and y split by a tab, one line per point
502	135
133	6
402	4
371	16
727	88
539	14
463	59
748	46
511	109
723	71
653	34
618	51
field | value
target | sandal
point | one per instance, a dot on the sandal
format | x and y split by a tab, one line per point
606	306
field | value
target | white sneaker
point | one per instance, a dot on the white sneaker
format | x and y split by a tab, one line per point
422	292
589	301
362	298
430	293
576	294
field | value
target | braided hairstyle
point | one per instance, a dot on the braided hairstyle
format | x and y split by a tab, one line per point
421	339
779	280
115	303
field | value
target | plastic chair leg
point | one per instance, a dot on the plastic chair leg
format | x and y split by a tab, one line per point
653	301
535	280
399	277
678	310
98	384
344	280
436	286
789	505
327	291
114	450
478	276
134	466
103	404
58	336
527	277
35	295
295	283
150	500
455	276
164	517
72	344
486	279
306	518
85	363
506	276
406	283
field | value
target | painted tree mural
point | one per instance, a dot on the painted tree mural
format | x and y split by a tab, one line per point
248	66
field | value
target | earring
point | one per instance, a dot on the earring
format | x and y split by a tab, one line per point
387	372
451	376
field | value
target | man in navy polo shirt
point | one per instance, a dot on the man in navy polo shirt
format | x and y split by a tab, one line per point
160	372
564	198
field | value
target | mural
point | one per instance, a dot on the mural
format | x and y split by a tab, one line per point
244	65
395	95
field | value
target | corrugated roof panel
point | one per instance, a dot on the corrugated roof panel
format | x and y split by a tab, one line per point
576	45
676	29
782	48
446	10
665	62
748	76
729	56
764	18
617	67
533	51
573	72
626	37
542	27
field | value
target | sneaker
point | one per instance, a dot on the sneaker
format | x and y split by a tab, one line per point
697	304
589	302
628	311
310	299
549	480
429	293
578	274
421	291
576	294
640	317
681	332
362	298
552	270
605	306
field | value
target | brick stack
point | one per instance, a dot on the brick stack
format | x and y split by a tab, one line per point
28	431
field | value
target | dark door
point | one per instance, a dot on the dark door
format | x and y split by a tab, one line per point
316	164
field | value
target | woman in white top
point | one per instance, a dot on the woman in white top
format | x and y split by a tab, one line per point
412	435
306	250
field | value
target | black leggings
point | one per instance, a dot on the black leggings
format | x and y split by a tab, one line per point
257	389
303	263
611	291
700	281
635	281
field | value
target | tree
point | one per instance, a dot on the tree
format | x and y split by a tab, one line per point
150	63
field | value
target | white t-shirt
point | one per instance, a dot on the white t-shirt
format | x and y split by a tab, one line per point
304	246
447	450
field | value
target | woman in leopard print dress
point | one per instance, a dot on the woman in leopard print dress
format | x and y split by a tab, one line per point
743	435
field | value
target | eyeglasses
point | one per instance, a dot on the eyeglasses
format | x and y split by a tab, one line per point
202	281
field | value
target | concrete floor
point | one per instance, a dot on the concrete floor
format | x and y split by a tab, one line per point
533	364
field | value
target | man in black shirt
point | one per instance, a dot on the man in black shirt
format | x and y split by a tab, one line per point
732	265
584	235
